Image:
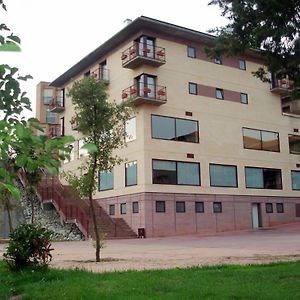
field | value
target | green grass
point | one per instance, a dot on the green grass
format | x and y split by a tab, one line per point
274	281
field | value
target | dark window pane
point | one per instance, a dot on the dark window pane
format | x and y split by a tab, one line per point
51	117
252	139
296	180
131	173
217	207
199	207
279	208
135	207
219	94
164	172
112	209
242	64
272	179
244	98
187	130
123	208
163	128
180	206
223	176
269	208
254	178
191	51
106	180
270	141
188	173
160	206
193	88
294	143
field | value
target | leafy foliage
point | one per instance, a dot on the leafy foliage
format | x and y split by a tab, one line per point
29	246
271	26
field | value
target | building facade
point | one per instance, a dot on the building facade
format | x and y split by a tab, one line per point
211	147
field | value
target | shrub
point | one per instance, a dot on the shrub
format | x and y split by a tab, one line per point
29	246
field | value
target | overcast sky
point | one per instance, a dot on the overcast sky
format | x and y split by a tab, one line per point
56	34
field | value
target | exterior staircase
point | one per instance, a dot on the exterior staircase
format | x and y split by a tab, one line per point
73	209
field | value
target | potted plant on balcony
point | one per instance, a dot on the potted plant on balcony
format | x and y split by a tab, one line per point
160	53
132	91
124	95
147	90
132	51
124	56
161	93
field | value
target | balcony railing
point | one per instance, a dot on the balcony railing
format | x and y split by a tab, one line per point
54	130
57	105
152	94
140	53
281	85
101	74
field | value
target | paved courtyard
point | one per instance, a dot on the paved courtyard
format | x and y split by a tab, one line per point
260	246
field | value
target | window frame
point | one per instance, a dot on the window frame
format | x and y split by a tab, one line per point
126	180
99	181
261	139
163	206
175	128
269	208
244	68
122	206
188	52
178	207
201	211
222	93
293	135
111	209
224	186
129	138
220	207
262	168
176	170
247	99
281	205
196	88
294	171
135	207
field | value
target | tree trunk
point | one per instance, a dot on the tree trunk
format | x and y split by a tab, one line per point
30	196
7	206
95	228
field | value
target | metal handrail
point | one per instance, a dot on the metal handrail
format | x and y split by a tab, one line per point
152	91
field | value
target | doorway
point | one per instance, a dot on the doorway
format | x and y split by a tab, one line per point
256	215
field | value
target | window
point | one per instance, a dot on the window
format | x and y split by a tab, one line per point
106	180
296	180
131	173
199	207
263	178
130	129
160	206
279	208
123	208
146	46
269	208
172	172
294	144
242	64
87	74
82	152
220	94
180	206
60	97
62	126
50	117
174	129
191	52
218	60
217	207
223	175
103	71
111	209
47	96
135	207
261	140
244	98
193	88
146	85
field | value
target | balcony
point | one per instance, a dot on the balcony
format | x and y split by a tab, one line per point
57	105
139	54
101	74
151	94
290	106
281	86
74	123
53	130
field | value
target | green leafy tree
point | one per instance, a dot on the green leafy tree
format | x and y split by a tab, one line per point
270	26
102	124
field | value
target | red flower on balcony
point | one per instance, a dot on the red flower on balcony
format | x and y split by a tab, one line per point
132	51
146	50
124	56
161	93
147	90
160	53
132	91
124	95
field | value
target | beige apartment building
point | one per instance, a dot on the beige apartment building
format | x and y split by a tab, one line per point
211	147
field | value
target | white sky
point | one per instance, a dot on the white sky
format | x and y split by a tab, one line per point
56	34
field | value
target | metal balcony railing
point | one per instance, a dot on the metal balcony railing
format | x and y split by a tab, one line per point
281	85
140	53
101	74
57	105
150	93
54	130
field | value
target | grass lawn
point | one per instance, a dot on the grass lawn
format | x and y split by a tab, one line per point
274	281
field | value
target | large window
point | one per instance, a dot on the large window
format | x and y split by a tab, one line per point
223	175
130	129
50	117
173	172
131	173
47	95
106	180
263	178
296	180
294	143
146	85
191	52
175	129
261	140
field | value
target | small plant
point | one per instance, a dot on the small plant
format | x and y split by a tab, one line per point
29	246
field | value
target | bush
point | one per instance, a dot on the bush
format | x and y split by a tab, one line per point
29	246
